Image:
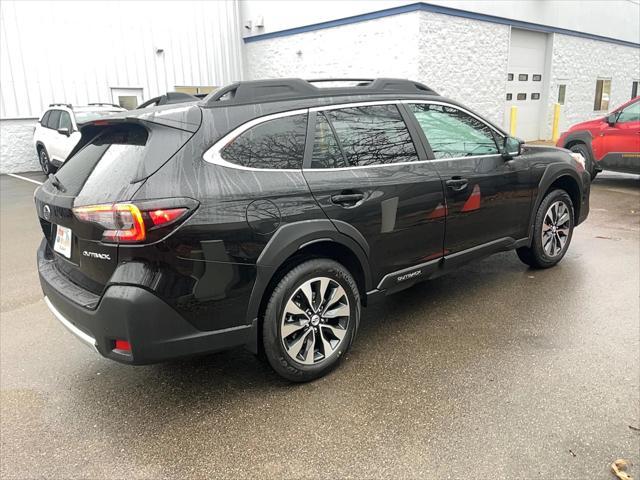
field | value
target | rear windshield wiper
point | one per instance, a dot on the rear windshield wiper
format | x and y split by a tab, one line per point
56	182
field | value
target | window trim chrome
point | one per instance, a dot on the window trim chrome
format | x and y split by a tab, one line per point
213	156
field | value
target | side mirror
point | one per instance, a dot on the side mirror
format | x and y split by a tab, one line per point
611	119
64	131
512	147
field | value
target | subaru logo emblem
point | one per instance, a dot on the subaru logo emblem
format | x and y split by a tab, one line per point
46	211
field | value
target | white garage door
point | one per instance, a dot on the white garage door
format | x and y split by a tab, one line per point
525	80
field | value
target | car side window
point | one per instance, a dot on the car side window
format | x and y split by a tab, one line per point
45	118
54	119
326	151
274	144
372	135
65	120
453	133
630	114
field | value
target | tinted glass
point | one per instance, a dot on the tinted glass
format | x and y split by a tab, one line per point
111	158
54	119
326	152
277	143
630	113
65	120
453	133
372	135
45	118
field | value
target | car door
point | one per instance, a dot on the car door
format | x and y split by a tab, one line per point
488	198
370	174
620	142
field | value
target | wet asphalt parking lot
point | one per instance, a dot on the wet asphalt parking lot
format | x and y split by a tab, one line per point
495	371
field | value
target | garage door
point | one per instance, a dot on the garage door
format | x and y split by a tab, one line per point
525	80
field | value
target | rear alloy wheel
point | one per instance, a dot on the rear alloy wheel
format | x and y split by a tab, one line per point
552	231
311	319
45	164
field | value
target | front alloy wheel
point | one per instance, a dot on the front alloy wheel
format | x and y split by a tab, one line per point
45	164
555	229
552	231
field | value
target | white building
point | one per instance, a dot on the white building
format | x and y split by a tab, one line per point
489	55
105	51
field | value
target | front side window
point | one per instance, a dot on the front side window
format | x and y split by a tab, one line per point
451	133
65	120
603	92
54	119
367	135
630	114
274	144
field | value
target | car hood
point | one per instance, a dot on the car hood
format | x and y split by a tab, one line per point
586	125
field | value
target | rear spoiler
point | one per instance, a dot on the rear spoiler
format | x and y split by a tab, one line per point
187	118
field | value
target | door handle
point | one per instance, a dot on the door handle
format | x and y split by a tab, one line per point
457	184
347	199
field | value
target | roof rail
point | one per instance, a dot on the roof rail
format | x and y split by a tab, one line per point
260	91
103	103
68	105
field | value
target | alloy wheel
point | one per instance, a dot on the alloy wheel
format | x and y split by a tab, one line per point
44	162
315	321
556	227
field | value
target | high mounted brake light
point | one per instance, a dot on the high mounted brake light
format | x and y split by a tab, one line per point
125	222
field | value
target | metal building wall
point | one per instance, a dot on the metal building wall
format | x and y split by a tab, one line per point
75	52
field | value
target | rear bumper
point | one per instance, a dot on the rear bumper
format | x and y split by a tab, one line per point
155	331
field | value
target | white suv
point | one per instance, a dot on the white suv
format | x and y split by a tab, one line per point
58	130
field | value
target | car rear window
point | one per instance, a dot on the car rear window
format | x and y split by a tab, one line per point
109	158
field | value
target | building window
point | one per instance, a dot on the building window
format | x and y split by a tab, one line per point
510	77
537	78
562	92
603	91
535	96
634	89
509	96
195	90
523	77
522	96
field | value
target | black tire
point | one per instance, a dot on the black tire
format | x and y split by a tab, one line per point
288	289
45	163
537	256
582	149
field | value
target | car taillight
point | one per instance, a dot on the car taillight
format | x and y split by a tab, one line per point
125	222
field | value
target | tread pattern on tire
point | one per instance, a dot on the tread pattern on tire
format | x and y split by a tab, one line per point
274	352
534	255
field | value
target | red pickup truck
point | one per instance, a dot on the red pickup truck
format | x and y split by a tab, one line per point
608	143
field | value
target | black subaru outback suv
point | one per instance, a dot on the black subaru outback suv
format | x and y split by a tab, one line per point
269	213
